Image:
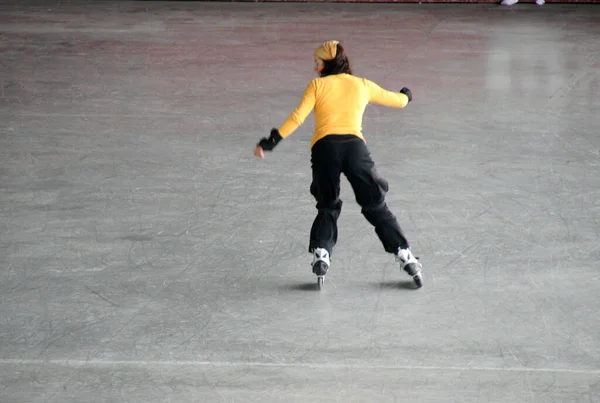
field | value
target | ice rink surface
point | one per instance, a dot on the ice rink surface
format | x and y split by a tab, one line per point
147	256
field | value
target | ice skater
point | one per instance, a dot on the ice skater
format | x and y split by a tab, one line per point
338	146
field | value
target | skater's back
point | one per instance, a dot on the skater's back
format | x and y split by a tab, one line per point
339	101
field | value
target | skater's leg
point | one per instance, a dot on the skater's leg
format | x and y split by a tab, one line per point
324	230
325	188
370	190
323	236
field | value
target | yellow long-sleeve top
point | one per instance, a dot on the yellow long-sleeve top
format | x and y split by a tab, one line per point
339	102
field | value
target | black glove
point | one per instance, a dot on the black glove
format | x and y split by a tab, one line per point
407	92
268	144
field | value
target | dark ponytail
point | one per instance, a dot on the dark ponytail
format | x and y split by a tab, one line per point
339	65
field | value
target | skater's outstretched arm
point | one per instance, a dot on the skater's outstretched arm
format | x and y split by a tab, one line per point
298	115
293	121
384	97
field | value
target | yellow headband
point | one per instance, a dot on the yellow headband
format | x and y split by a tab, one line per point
327	51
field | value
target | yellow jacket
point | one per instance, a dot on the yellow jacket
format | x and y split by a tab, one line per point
339	102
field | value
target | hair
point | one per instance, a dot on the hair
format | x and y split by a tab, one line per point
338	65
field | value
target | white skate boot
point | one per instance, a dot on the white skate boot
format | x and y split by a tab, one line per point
411	265
320	264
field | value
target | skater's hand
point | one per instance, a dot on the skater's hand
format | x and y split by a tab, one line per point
406	92
259	152
268	144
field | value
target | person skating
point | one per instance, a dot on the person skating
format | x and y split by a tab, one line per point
338	146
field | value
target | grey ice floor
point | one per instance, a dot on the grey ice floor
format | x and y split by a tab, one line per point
147	256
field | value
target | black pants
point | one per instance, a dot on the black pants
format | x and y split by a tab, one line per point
347	154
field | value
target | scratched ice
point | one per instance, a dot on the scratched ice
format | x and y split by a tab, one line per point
146	256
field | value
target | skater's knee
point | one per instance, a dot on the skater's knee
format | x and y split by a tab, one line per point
372	196
329	206
374	208
382	183
376	213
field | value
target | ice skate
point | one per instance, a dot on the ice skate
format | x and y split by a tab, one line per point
410	265
320	264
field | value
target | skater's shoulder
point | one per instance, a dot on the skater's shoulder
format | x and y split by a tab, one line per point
365	80
319	81
353	78
336	78
312	85
331	82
